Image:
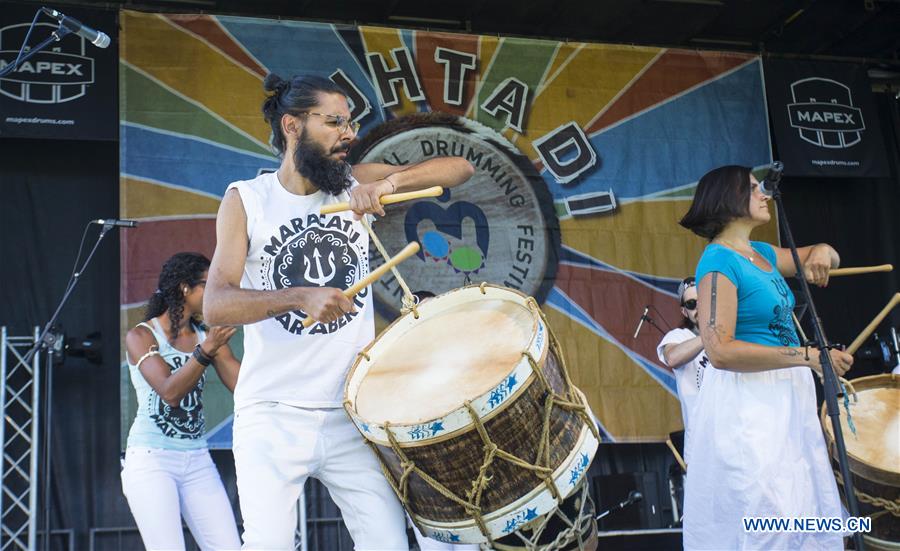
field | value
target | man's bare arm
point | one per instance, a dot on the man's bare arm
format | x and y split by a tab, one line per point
226	303
441	171
677	355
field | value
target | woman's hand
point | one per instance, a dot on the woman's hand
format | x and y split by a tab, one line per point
217	337
819	263
839	359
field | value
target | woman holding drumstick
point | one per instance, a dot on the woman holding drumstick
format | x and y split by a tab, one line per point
757	446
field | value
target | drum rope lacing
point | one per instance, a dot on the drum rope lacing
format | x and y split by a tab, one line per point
893	507
584	524
472	504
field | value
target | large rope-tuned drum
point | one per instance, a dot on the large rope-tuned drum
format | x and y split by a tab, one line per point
874	454
467	404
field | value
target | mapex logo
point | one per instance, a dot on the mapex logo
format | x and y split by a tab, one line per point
57	76
824	114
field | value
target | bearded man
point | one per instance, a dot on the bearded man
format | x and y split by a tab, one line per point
277	261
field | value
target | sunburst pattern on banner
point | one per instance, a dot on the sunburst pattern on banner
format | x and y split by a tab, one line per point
655	119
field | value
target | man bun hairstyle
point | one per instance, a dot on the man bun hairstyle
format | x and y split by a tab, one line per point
292	96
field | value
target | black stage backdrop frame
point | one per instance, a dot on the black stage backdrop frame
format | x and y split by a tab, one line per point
51	188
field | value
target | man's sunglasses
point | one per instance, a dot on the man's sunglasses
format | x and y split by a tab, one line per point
690	304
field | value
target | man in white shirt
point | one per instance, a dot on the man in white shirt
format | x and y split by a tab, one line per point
682	351
278	262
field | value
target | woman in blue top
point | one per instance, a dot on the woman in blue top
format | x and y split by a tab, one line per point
757	447
168	470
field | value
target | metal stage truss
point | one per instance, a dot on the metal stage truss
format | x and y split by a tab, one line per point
19	419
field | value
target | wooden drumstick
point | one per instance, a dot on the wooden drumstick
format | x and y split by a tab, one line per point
854	346
860	270
407	252
799	327
388	199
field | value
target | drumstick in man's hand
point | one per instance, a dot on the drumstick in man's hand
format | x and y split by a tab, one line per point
388	199
407	252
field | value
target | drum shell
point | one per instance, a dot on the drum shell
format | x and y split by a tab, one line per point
885	534
456	460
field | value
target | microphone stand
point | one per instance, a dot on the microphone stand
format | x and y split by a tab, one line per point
830	385
47	341
653	323
633	497
55	36
644	317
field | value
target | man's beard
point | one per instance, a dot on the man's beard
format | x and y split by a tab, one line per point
330	175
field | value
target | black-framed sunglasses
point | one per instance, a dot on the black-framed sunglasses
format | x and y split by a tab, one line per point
690	304
336	121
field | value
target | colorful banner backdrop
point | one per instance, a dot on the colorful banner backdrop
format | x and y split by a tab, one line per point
586	156
67	90
824	119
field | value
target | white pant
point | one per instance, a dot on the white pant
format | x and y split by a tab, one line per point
163	485
276	447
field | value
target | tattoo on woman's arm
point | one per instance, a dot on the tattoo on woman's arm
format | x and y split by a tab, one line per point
790	352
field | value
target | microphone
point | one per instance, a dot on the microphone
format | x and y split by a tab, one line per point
770	183
114	222
634	496
95	37
641	323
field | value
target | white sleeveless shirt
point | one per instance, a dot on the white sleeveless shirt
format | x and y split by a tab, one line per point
157	424
292	245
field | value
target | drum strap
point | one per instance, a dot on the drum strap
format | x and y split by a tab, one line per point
409	301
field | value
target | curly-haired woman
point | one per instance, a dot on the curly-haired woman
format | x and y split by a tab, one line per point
168	470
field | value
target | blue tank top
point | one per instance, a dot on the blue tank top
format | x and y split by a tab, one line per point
765	302
157	424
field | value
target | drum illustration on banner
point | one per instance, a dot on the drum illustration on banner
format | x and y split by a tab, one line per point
498	227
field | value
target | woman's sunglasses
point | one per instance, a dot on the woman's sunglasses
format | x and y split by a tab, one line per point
690	304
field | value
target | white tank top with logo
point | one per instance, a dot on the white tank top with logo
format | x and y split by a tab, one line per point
292	245
157	424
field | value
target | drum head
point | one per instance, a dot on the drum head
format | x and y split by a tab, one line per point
876	415
462	345
877	420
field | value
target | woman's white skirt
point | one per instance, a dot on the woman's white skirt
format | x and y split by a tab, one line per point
757	450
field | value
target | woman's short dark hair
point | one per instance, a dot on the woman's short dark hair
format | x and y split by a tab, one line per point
723	194
293	96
